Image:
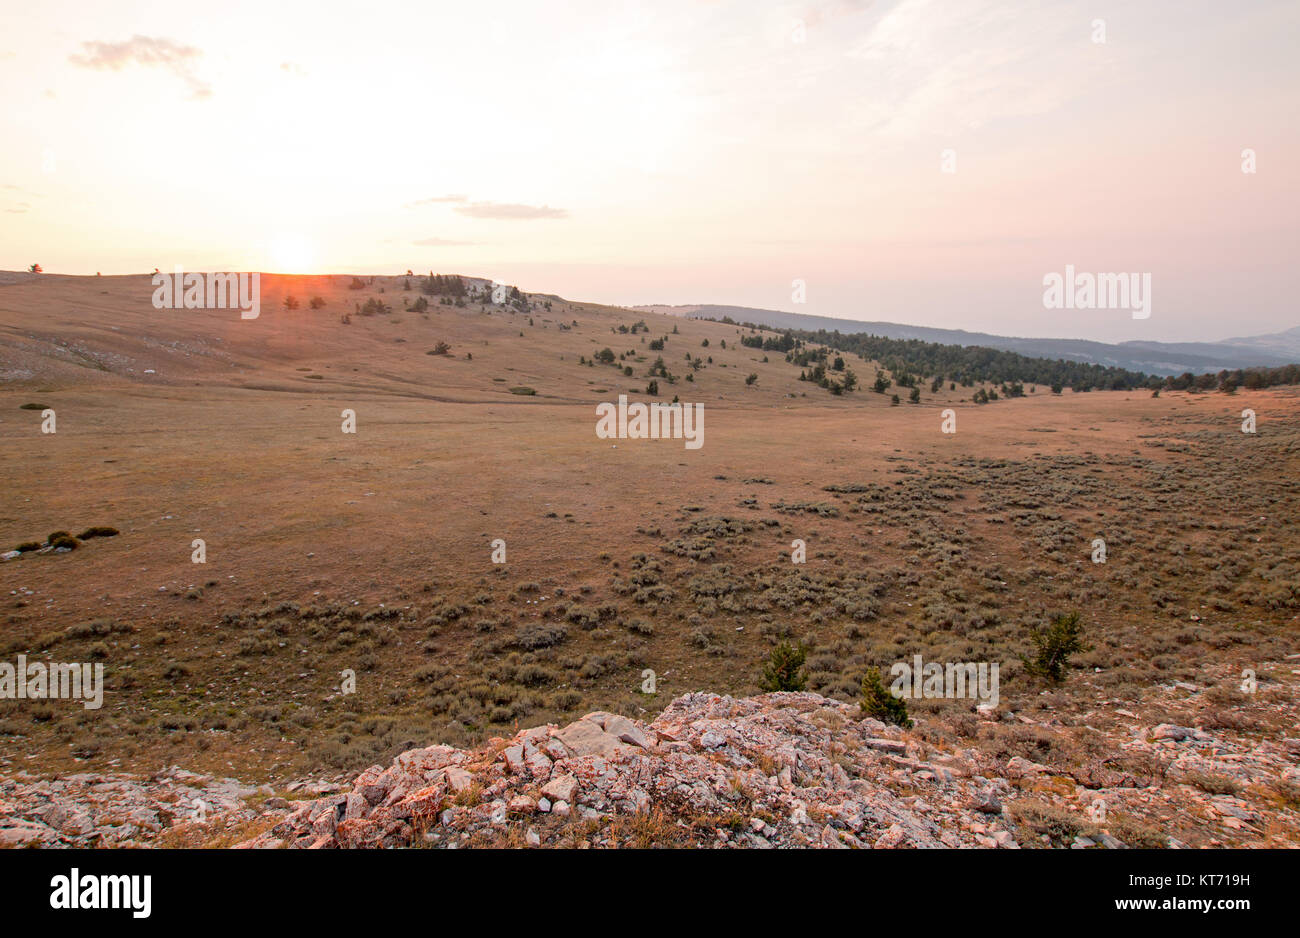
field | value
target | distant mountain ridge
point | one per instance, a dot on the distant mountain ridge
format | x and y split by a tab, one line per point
1157	358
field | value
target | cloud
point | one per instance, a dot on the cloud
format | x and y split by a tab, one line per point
819	12
149	51
20	207
437	199
933	68
510	211
441	243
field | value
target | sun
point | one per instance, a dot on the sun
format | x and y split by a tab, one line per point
291	254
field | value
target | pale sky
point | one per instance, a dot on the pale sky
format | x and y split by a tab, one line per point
676	152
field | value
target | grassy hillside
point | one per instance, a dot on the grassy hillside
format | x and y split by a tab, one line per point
371	552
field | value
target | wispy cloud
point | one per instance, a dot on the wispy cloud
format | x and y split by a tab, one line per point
19	207
934	68
510	211
148	51
437	200
507	211
441	243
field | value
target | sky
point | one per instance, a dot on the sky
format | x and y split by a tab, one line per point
918	161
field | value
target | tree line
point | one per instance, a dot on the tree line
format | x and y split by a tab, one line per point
967	365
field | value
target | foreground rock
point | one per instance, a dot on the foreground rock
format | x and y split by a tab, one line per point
777	770
100	810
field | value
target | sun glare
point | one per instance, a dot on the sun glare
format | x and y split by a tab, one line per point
290	254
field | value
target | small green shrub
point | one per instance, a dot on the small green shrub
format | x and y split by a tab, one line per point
783	670
880	704
1053	647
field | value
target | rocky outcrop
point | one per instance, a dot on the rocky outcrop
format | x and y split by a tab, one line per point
777	770
786	769
96	810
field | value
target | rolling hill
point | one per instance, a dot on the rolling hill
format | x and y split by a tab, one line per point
1157	358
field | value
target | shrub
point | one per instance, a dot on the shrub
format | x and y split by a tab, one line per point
534	675
97	532
880	704
26	546
1058	824
783	670
1053	647
316	302
64	540
540	635
525	391
1137	835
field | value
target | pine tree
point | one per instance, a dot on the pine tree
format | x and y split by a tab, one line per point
783	670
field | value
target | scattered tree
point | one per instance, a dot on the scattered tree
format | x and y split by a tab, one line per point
1053	647
879	704
784	668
